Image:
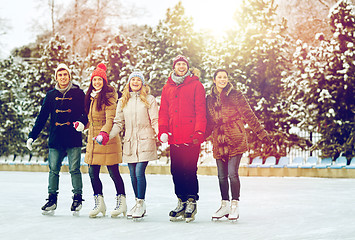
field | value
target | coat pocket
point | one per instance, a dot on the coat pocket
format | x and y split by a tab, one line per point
235	133
147	145
127	148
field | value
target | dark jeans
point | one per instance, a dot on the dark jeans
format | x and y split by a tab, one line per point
94	171
55	159
229	169
139	182
183	168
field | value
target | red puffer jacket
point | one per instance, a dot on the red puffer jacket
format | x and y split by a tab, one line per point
183	109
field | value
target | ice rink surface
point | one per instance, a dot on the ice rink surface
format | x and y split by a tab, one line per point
270	208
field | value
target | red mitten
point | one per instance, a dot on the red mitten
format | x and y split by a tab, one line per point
102	138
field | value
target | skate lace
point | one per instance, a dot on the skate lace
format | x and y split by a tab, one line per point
97	203
118	203
190	207
179	206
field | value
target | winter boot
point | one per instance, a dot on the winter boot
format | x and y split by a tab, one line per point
121	206
223	211
140	209
178	212
99	206
191	210
77	203
234	211
130	212
51	204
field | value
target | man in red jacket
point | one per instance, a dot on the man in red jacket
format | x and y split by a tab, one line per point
182	123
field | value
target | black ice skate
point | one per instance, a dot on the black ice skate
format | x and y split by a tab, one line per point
77	204
191	210
178	213
51	205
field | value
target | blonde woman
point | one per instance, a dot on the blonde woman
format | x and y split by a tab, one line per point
137	113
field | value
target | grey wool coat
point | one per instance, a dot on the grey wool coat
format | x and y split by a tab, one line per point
141	127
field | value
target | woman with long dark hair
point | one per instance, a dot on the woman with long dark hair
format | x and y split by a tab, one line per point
100	104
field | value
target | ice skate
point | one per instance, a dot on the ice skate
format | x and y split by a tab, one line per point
178	213
191	210
100	206
51	205
223	211
121	206
130	212
140	210
234	211
77	204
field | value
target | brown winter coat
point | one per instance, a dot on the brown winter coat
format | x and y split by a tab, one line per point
97	154
226	114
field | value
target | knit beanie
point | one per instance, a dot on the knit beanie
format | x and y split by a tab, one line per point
136	74
62	66
99	71
180	58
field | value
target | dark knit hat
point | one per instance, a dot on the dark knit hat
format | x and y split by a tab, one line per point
99	71
180	58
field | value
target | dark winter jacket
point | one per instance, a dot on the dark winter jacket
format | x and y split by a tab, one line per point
63	111
226	114
183	109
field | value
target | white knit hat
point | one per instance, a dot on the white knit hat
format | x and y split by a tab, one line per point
62	66
136	74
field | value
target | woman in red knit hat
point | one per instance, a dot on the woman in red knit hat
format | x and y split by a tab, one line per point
100	104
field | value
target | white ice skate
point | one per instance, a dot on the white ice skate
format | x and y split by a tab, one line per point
234	212
100	207
121	206
223	211
140	210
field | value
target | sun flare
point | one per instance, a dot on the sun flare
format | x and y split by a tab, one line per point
215	16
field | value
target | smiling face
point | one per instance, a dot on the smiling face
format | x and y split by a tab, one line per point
180	68
97	83
135	84
221	80
63	78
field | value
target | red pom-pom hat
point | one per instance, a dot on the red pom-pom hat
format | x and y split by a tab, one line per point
99	71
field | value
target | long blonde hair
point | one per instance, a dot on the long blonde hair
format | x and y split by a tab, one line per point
143	93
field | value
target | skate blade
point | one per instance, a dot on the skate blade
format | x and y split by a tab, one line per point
177	219
48	213
138	218
219	218
121	215
76	213
187	220
233	220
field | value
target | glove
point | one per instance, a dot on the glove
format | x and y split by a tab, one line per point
164	137
102	138
198	138
29	144
78	126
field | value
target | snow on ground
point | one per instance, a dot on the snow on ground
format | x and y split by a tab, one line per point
271	208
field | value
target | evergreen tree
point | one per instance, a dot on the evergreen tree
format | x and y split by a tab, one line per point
258	58
13	107
172	36
326	74
119	55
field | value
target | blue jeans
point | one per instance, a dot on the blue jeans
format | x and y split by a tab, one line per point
55	159
229	169
139	182
114	171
